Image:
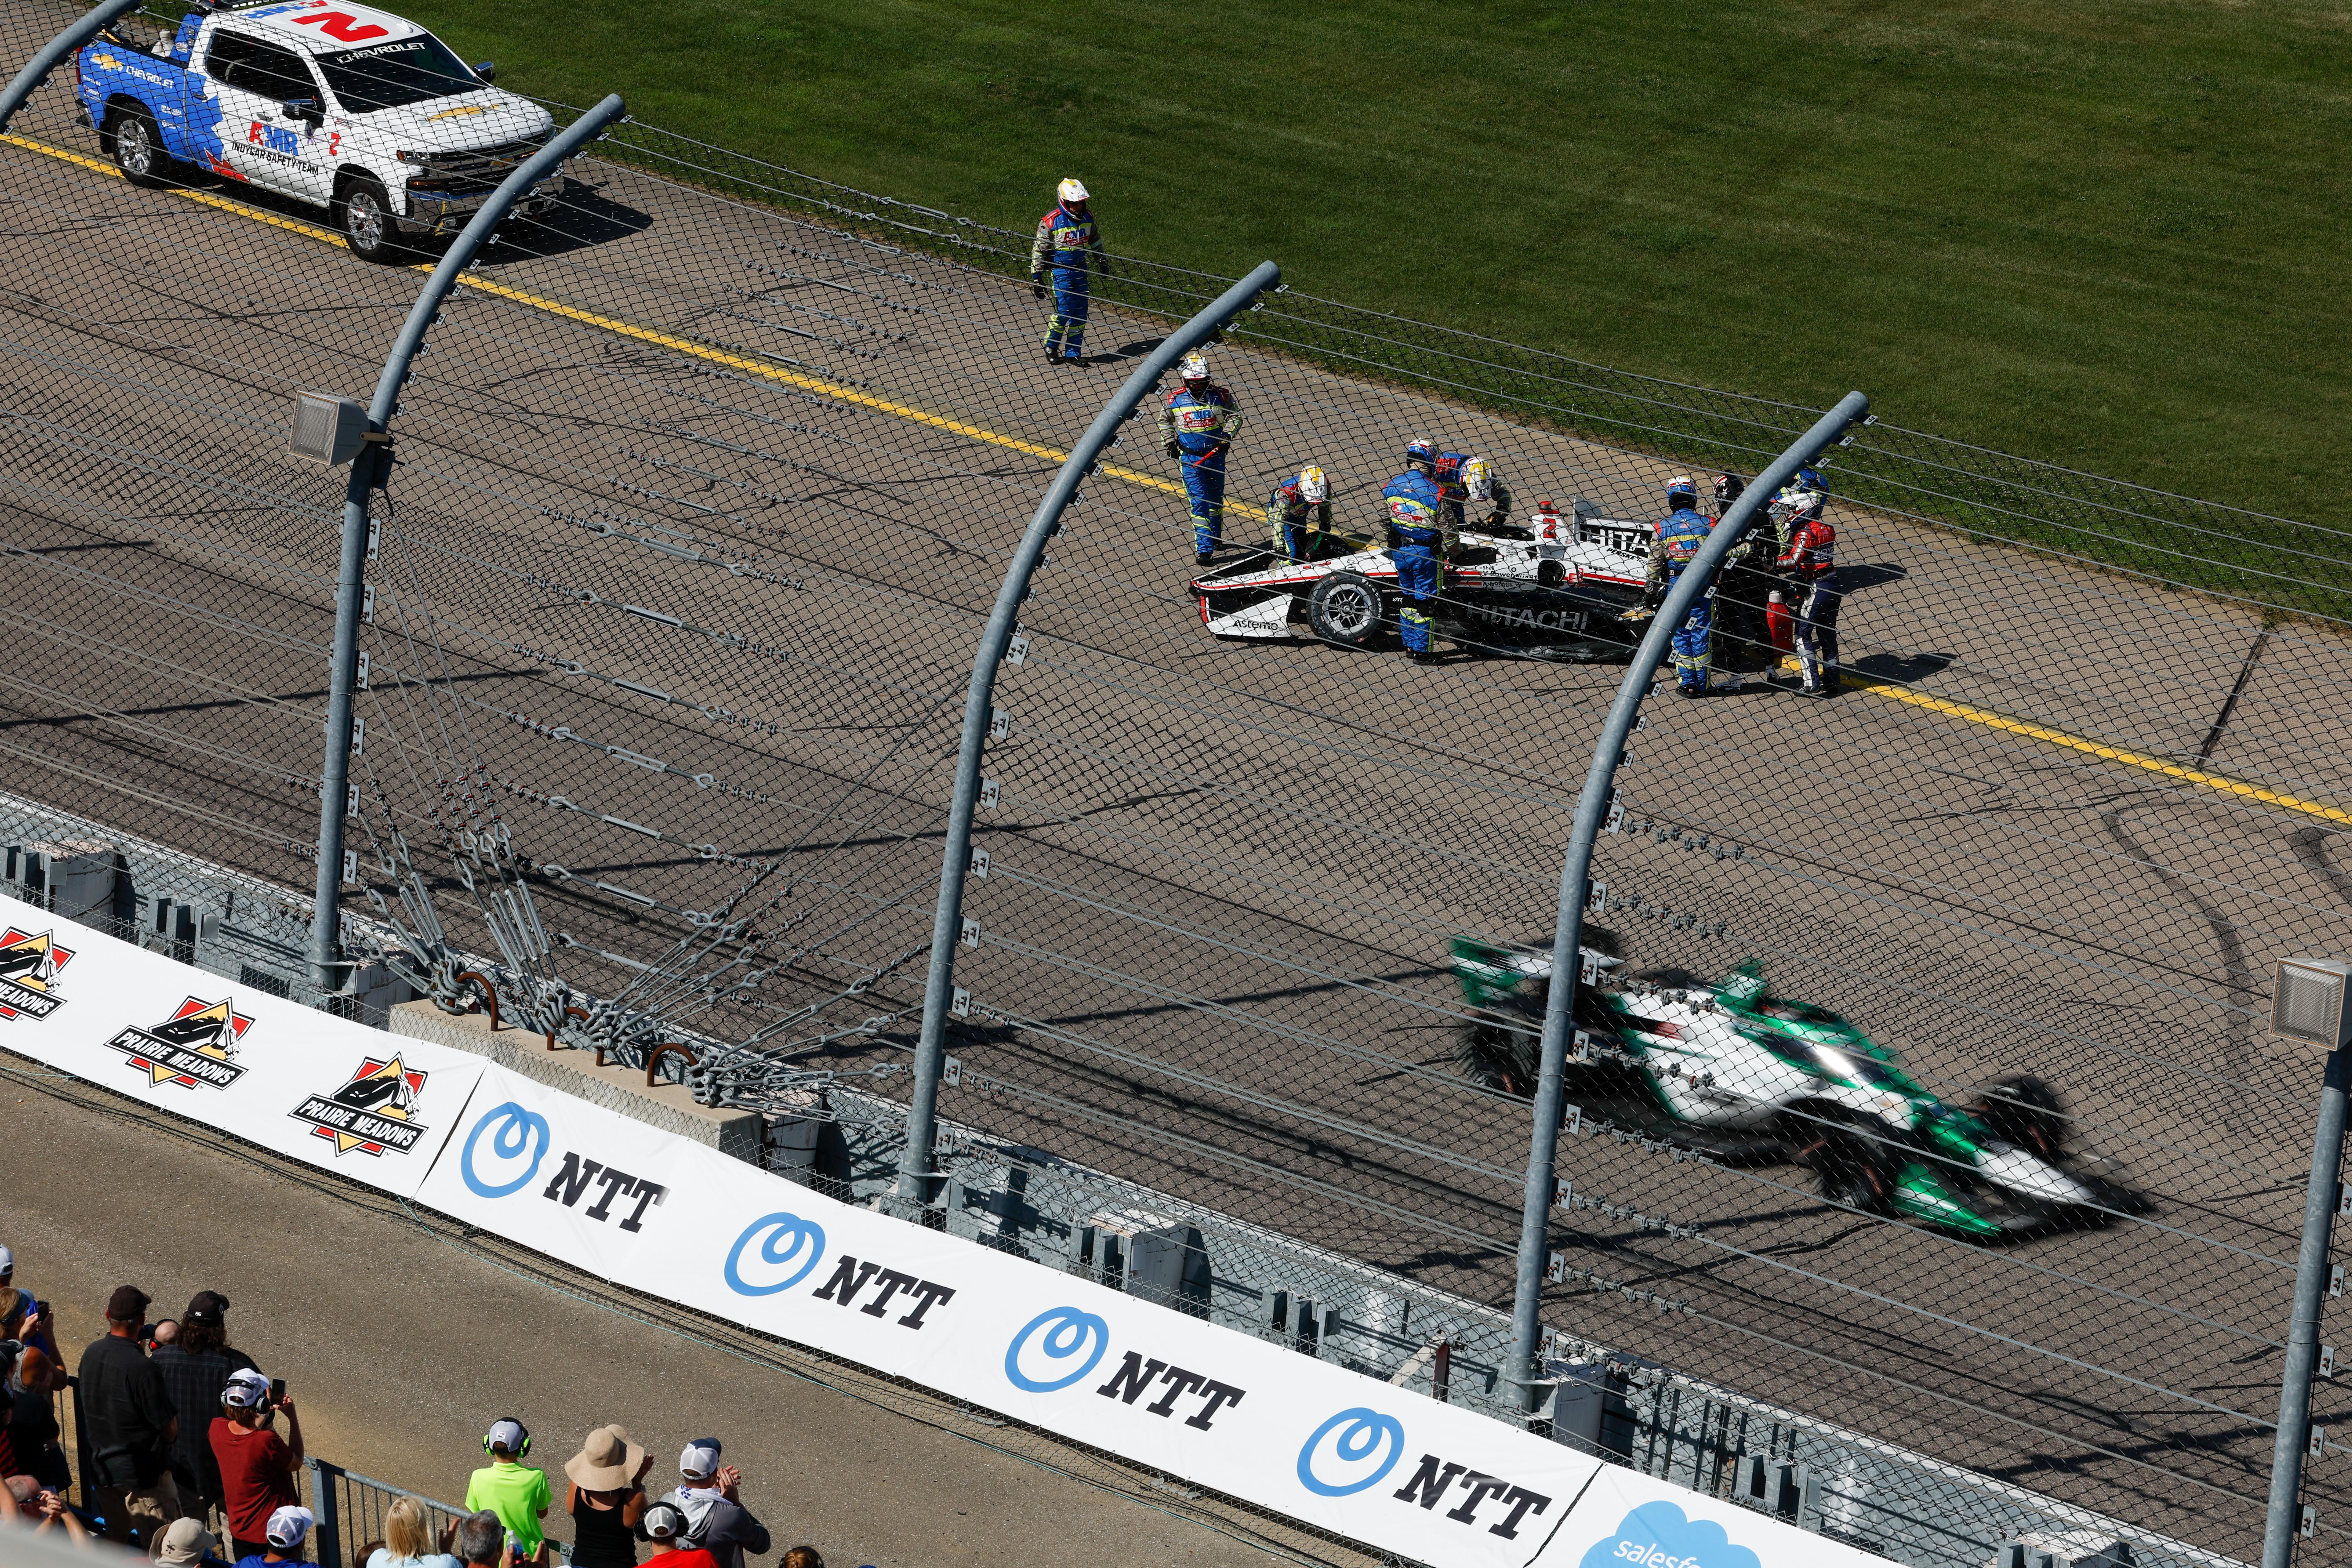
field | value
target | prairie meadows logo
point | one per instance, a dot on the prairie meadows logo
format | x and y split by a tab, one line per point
190	1048
374	1111
29	965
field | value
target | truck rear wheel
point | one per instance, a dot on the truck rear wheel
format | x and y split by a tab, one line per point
138	148
364	214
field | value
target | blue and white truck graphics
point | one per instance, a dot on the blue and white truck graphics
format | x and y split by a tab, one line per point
338	105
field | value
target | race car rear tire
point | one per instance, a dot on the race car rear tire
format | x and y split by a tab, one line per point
2025	1110
1346	609
137	148
1505	1059
1854	1159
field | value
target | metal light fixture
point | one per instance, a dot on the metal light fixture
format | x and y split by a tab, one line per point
327	429
2308	1002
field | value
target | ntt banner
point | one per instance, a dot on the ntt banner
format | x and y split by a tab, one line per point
657	1212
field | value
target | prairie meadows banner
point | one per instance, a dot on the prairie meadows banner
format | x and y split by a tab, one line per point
657	1212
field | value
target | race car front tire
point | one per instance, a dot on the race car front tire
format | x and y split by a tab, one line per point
1347	609
2025	1110
1854	1158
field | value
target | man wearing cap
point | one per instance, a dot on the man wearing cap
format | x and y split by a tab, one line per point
129	1421
706	1496
517	1493
285	1535
1068	243
664	1526
195	1369
187	1544
35	1330
257	1466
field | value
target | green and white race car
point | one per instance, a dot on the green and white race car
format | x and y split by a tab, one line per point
1753	1078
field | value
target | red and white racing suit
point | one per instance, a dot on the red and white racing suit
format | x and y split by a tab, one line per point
1810	562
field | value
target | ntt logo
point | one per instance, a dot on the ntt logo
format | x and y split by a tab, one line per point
1363	1446
1055	1349
514	1134
789	1249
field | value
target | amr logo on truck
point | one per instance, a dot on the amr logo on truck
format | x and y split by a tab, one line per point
353	109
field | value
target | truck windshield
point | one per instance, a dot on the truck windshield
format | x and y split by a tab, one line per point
392	76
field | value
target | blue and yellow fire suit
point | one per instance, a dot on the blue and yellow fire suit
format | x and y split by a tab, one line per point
1200	424
1680	535
1418	542
1287	514
1449	480
1065	243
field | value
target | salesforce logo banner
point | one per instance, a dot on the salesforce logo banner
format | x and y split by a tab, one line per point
788	1249
1055	1349
503	1153
1658	1535
1355	1450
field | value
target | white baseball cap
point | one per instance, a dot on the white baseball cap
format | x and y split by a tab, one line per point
246	1389
8	1261
664	1522
700	1461
288	1525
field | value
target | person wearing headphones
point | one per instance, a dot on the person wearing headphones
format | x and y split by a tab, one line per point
507	1487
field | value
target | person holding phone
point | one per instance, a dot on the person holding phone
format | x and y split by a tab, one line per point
196	1368
257	1466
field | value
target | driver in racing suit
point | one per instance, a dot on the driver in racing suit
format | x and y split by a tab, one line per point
1419	541
1196	426
1304	495
1680	533
1810	562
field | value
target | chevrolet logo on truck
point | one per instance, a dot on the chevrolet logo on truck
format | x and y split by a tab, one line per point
420	139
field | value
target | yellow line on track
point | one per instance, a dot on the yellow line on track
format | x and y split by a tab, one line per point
839	392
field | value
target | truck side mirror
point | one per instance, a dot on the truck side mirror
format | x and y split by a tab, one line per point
305	109
487	70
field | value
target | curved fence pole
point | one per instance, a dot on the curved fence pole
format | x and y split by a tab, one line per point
368	471
58	50
2284	1520
913	1190
1543	1143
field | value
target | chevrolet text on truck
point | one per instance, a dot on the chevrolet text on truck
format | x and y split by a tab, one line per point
347	108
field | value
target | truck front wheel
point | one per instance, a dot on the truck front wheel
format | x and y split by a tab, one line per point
363	213
138	148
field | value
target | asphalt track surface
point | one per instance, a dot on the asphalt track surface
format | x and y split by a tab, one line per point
400	1338
766	474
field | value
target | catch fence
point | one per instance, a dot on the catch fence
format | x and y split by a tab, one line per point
701	496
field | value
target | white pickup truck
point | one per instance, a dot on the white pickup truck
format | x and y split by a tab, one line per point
346	108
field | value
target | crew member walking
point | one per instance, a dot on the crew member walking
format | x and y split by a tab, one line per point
1068	243
1303	496
1419	543
1680	533
1198	423
1810	563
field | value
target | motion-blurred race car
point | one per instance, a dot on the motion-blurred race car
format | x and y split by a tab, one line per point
1755	1078
1556	590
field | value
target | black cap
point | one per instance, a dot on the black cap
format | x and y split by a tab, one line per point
127	1304
205	1307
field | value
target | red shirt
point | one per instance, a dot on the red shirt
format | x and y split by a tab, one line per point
257	1476
685	1557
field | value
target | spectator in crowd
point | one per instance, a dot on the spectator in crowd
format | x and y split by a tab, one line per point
26	1502
196	1368
130	1423
513	1490
665	1527
606	1499
715	1521
482	1541
10	1351
804	1557
257	1466
287	1537
32	1387
36	1329
187	1544
365	1552
167	1332
408	1538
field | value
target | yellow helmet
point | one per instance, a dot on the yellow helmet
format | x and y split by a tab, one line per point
1312	486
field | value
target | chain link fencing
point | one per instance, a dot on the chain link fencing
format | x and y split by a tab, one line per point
701	494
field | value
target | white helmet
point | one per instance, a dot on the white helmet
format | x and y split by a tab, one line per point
1313	487
1071	190
1478	479
1194	368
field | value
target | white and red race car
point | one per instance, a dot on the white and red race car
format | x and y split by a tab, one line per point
1558	590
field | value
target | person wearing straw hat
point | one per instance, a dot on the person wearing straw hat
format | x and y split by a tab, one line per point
607	1498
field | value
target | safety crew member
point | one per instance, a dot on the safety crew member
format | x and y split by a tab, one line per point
1680	533
1304	495
1742	605
1419	541
1463	477
1810	562
1196	426
1067	244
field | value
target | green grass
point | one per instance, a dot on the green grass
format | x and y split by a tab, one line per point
2107	233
